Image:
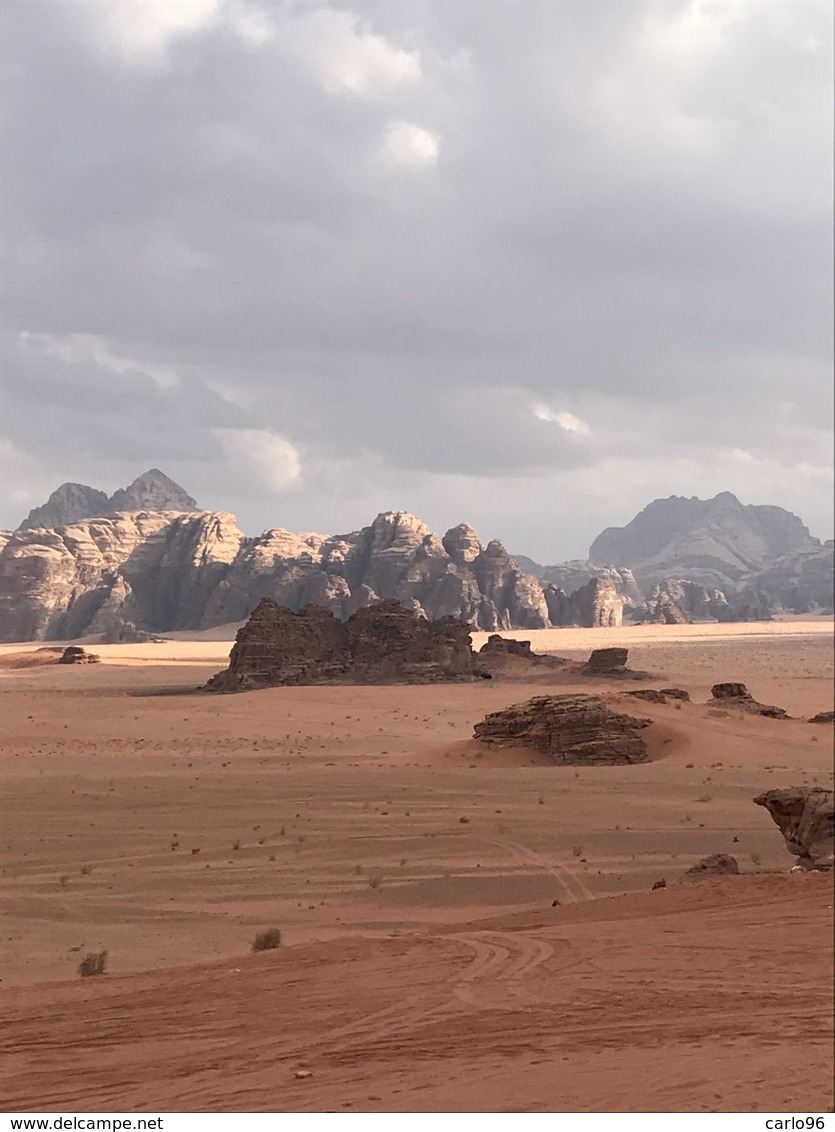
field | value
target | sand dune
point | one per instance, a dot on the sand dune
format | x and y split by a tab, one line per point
423	966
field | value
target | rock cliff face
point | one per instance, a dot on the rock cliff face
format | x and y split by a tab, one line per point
152	491
805	815
150	570
381	644
716	541
677	601
157	571
597	603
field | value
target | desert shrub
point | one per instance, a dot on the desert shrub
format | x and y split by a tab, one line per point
95	963
267	941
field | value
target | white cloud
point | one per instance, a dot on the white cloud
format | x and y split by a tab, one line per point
348	60
408	144
566	421
141	31
269	459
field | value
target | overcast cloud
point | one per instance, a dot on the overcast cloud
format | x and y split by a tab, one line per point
524	263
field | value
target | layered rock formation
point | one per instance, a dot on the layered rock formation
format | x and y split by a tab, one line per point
805	815
141	570
380	644
607	662
596	604
676	601
155	572
152	491
571	729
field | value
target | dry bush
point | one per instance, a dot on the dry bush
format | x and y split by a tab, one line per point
268	940
95	963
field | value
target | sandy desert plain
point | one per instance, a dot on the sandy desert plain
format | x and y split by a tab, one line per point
412	875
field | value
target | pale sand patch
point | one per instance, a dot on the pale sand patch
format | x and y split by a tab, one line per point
197	650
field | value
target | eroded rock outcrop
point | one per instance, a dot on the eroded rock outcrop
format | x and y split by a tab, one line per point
677	601
607	662
736	695
823	717
380	644
595	604
805	815
507	646
77	655
571	729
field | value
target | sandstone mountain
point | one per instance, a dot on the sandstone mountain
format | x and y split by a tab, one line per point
684	560
716	542
158	565
152	491
157	571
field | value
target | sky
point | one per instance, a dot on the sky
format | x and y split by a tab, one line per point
527	264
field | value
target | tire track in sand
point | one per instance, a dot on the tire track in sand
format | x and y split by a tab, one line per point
580	890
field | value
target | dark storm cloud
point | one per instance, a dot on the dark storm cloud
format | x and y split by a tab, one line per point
411	255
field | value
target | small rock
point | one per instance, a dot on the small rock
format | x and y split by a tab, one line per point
303	1074
823	717
717	864
659	884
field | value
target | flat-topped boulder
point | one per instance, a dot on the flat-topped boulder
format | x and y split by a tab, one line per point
805	815
496	645
736	695
607	662
572	729
380	644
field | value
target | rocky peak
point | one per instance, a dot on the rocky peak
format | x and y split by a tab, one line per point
72	502
462	543
67	504
397	531
152	491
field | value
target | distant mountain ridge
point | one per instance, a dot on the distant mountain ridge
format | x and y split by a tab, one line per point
148	562
682	558
151	491
714	541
